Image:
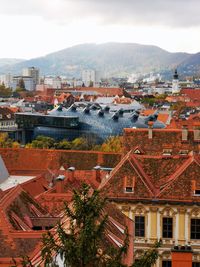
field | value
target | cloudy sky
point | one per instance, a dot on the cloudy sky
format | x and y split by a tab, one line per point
32	28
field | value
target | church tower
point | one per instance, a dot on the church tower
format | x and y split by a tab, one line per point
175	83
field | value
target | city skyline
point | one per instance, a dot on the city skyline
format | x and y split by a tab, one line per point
35	28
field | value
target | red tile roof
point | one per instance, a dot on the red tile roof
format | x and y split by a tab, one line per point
34	161
155	177
161	138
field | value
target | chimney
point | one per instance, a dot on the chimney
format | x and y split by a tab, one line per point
70	172
60	184
196	130
150	129
97	170
182	256
184	133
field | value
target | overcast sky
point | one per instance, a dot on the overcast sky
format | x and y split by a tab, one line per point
32	28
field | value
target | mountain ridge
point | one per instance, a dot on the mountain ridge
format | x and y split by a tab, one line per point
112	59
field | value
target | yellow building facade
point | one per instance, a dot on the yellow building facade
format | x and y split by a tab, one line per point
153	228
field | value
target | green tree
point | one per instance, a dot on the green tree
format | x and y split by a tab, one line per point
43	142
21	84
149	257
81	243
80	143
5	92
64	144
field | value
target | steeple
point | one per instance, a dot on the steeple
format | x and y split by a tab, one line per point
175	75
175	83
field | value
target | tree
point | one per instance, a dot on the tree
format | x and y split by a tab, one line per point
64	144
5	141
81	243
80	143
21	84
42	142
112	144
149	257
5	92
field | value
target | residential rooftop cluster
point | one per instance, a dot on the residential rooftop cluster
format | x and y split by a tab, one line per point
153	185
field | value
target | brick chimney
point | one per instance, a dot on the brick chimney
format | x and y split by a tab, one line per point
182	256
60	183
184	133
196	130
97	170
150	129
70	173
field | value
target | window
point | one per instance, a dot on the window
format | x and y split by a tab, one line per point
183	152
139	226
196	264
37	228
195	228
197	192
129	189
167	227
167	152
166	263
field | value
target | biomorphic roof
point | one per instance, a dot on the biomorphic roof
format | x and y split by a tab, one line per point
102	123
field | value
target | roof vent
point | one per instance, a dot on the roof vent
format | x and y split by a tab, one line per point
94	107
86	110
106	108
59	108
73	107
152	117
115	117
97	167
101	113
71	169
134	116
121	112
60	178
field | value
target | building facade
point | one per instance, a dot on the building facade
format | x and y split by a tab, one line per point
159	189
32	72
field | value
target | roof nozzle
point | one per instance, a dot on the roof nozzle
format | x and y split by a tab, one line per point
106	108
121	112
134	116
115	116
73	107
101	113
86	110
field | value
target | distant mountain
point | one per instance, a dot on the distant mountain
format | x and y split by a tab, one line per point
9	61
191	66
110	58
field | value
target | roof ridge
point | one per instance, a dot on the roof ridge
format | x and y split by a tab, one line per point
177	173
117	167
142	174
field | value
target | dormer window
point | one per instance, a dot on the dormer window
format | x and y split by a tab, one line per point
197	192
167	152
137	151
129	189
129	184
195	188
183	152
